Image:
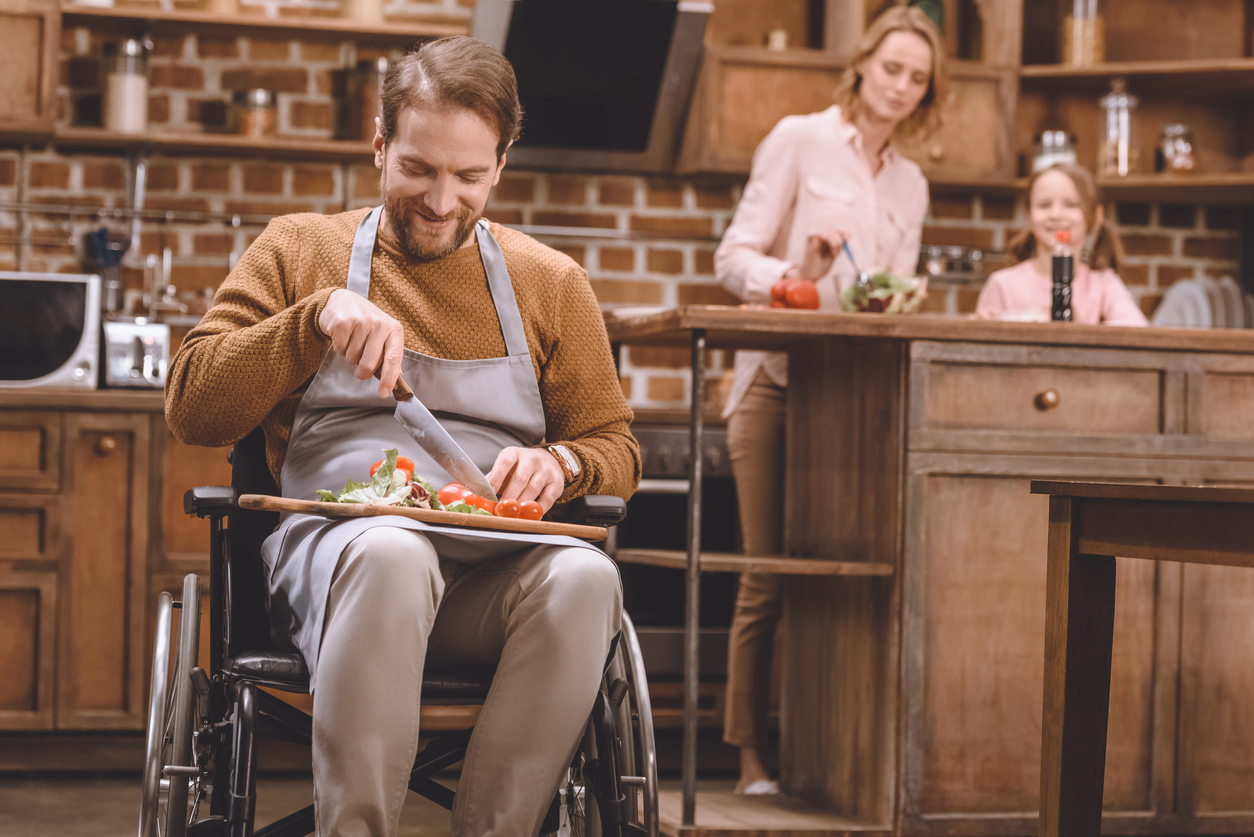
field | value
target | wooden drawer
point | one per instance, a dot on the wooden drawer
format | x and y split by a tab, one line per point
30	450
996	396
30	527
1225	400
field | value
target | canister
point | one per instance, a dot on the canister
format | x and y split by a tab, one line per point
126	88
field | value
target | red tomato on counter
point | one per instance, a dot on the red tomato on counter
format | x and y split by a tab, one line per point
530	510
794	293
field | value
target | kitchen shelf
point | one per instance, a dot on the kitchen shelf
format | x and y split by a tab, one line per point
322	27
727	562
1216	78
1214	187
99	139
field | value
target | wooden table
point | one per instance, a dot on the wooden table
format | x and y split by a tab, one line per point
912	651
1090	524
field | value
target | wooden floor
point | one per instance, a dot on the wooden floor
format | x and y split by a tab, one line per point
721	813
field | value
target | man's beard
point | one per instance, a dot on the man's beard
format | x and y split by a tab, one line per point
399	218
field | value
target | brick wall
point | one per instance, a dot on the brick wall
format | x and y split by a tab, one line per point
645	241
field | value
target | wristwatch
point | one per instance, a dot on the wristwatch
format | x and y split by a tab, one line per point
569	462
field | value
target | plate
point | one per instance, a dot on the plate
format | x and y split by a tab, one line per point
1185	305
1215	299
1233	302
266	502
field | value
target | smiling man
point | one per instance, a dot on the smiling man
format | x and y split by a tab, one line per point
501	338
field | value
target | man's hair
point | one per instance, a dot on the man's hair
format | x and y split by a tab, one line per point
454	72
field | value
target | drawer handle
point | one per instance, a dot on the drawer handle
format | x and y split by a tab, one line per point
106	446
1047	400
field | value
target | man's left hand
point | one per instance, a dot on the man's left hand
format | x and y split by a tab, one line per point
527	474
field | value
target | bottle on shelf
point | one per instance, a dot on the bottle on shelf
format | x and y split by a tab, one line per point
1063	273
1053	147
1117	154
1175	152
1084	34
126	88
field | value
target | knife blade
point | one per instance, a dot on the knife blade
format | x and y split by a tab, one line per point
431	436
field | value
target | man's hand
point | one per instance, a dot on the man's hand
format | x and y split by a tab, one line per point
365	336
821	250
527	474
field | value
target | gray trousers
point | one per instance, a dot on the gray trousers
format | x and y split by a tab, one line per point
548	615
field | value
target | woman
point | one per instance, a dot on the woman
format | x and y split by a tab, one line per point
1062	197
817	180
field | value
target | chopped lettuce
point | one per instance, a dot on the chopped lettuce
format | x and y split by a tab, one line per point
465	508
388	487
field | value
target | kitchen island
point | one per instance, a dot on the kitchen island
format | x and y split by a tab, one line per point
911	692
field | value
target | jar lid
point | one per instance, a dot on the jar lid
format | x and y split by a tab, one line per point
257	97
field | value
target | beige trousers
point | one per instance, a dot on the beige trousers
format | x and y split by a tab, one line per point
755	442
547	614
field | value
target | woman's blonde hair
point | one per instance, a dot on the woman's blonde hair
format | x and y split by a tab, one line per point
926	118
1107	251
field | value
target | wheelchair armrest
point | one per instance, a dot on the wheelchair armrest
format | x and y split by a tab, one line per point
595	510
209	500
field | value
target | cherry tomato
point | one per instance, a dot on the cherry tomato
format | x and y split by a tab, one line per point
802	294
452	493
530	510
508	508
403	463
778	292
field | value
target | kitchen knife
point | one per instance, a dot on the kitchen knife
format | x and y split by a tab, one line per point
436	441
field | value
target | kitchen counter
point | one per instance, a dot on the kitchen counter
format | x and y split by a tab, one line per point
911	700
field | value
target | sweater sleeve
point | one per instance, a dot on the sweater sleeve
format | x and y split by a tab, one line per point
741	262
584	406
256	346
1118	306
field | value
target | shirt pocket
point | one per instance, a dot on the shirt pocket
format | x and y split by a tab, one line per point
828	204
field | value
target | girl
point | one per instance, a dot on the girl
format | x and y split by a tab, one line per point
816	181
1062	197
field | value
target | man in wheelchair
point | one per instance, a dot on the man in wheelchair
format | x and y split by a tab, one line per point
502	339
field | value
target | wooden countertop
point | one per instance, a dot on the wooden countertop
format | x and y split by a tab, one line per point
110	400
775	328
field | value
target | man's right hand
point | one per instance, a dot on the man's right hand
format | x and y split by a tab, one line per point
365	336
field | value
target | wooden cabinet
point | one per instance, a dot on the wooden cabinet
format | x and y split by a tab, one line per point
30	34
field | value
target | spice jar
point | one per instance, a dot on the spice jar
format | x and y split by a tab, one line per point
1083	34
1053	147
365	94
1117	153
256	113
1176	148
126	88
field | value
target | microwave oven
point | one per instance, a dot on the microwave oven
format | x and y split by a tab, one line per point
49	330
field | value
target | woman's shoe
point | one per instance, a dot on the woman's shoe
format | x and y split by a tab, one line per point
762	787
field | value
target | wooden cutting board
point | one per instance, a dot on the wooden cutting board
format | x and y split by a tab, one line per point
265	502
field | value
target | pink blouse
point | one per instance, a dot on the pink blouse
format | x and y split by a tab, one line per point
1020	293
809	173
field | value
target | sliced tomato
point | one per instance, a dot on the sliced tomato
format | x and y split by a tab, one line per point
530	510
480	502
403	463
508	508
452	493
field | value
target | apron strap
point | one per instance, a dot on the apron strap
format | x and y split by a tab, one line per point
363	251
502	290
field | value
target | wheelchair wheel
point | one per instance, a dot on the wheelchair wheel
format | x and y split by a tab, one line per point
172	784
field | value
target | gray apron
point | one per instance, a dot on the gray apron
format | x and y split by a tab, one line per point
342	426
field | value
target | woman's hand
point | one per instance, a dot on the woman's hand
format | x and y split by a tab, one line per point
821	251
365	336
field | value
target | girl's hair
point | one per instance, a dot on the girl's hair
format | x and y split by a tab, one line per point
1107	251
926	118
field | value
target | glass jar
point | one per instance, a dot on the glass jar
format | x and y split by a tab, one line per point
365	95
126	88
1117	154
1053	147
256	113
1083	33
1176	147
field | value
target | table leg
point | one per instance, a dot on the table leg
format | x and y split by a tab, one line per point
1079	624
692	580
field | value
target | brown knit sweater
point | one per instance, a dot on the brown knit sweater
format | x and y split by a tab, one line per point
252	356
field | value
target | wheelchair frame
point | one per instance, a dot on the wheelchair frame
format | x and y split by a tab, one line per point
203	727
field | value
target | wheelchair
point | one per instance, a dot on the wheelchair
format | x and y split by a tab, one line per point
204	726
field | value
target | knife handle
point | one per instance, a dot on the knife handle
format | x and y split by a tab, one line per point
401	392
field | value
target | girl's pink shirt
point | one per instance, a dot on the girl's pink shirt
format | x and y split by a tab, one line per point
1020	292
808	174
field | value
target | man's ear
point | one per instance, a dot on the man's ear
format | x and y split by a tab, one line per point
378	143
500	166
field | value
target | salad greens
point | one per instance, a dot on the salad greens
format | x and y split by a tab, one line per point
391	487
885	292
